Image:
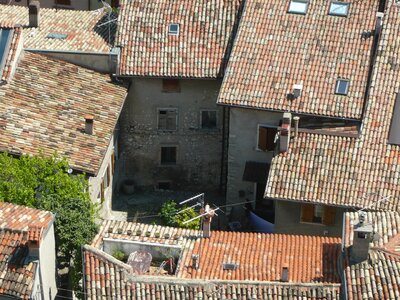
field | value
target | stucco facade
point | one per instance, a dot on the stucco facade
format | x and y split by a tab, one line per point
164	140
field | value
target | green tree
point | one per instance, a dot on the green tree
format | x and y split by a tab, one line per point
169	216
44	183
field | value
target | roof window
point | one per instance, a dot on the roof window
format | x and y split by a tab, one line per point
4	41
57	36
340	9
342	87
173	29
298	7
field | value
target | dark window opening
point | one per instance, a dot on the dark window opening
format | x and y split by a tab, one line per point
63	2
168	155
164	185
208	119
319	214
266	138
167	119
171	86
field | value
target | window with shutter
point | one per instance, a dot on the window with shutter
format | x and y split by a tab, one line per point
329	215
167	119
266	138
319	214
208	119
171	86
307	213
168	155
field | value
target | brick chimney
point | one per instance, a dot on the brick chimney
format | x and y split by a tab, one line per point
89	124
209	214
284	139
34	8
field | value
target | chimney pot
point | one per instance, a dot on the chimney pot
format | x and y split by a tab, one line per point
297	88
34	8
89	124
285	274
362	236
296	125
207	221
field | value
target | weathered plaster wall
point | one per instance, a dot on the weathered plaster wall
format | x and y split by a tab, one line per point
95	184
287	220
243	147
198	150
47	260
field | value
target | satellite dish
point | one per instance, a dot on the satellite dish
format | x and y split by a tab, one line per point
140	261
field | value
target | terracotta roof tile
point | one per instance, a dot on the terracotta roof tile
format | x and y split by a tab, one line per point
377	277
274	50
200	49
43	109
311	262
82	28
350	171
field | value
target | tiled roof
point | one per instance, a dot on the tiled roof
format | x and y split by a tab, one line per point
350	171
81	27
274	50
13	50
43	109
199	51
106	277
17	274
311	260
22	218
377	277
18	225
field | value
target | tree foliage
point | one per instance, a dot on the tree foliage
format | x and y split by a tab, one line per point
169	216
44	183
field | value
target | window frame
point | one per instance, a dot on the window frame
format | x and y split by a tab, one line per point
174	32
306	2
327	218
347	4
258	136
337	92
166	125
161	155
201	119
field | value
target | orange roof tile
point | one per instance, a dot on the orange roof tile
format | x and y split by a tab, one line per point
275	49
350	171
205	29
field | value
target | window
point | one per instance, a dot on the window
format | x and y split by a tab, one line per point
298	7
208	119
164	185
266	138
106	178
340	9
4	41
171	86
318	214
167	119
63	2
173	29
168	155
342	87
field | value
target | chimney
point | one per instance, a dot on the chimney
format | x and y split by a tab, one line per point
209	213
89	124
296	125
378	23
34	7
195	261
297	88
285	133
362	236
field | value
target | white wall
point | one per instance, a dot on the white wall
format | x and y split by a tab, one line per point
47	260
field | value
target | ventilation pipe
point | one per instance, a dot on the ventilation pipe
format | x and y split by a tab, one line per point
34	8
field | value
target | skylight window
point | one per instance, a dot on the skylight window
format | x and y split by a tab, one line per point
173	29
298	7
340	9
342	87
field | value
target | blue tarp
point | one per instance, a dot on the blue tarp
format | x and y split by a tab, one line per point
260	225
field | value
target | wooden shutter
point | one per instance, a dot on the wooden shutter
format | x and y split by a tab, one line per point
162	119
113	163
262	138
171	120
102	191
329	215
307	213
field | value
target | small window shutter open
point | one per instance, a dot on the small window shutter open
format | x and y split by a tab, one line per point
329	215
262	138
307	212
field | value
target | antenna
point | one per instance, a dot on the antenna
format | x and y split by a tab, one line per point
362	214
199	196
